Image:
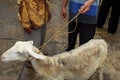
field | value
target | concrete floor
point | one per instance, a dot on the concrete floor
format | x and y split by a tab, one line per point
11	31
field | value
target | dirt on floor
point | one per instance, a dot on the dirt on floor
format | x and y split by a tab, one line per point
12	31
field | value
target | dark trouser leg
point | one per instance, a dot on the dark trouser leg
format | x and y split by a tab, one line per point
72	37
104	9
114	19
43	33
87	32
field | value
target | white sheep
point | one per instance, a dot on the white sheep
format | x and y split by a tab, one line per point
77	64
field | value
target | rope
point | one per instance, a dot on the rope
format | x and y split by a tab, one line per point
70	31
19	77
60	29
54	36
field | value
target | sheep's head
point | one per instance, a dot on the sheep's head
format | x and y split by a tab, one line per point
18	52
21	51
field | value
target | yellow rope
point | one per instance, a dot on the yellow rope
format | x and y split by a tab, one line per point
68	32
55	36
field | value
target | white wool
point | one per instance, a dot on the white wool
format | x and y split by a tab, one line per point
78	64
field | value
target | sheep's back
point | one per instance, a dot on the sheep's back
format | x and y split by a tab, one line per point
78	64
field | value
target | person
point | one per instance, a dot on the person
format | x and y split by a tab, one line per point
87	20
33	15
114	17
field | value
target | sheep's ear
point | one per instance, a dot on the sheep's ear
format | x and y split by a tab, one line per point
37	56
31	42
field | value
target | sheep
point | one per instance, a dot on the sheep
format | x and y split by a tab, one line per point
77	64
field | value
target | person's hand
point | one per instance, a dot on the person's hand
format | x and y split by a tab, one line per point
28	30
85	8
63	13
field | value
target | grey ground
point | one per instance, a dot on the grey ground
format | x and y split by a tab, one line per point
11	31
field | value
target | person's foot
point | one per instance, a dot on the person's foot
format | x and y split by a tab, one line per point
99	26
111	32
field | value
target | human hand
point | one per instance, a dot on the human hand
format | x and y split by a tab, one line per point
86	6
28	30
63	13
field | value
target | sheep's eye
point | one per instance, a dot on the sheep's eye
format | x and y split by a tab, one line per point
18	52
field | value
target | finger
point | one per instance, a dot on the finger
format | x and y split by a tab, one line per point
83	9
28	30
63	15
